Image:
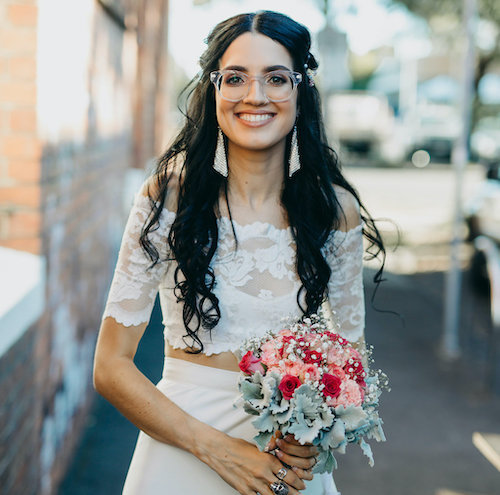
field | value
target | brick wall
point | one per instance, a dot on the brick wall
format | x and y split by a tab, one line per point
68	102
20	149
19	443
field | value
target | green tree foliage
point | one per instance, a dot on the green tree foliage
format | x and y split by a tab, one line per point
487	10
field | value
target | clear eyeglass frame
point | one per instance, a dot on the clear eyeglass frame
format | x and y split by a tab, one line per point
216	76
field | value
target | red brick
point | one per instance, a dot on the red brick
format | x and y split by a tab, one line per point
4	121
24	170
24	224
4	67
32	245
22	15
23	120
23	93
26	195
17	41
26	147
23	67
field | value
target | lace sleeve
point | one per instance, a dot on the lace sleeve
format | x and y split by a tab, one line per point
344	254
135	285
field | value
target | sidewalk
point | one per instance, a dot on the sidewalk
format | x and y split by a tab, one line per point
430	415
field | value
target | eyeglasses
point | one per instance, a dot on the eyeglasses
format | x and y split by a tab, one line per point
233	85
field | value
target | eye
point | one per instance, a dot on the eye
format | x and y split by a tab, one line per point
277	79
233	79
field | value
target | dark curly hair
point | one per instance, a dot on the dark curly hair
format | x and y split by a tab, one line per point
309	198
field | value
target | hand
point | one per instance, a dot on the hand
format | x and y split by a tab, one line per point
248	470
301	458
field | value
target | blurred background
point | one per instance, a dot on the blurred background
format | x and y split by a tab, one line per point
411	93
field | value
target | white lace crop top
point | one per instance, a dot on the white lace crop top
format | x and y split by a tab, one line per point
256	284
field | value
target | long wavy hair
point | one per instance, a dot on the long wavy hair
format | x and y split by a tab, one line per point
309	198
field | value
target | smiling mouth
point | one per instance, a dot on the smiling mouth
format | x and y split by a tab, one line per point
255	117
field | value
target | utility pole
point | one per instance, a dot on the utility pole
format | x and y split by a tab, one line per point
450	341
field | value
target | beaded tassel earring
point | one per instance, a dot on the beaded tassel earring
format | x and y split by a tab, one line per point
220	160
294	160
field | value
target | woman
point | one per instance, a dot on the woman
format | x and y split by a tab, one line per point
247	219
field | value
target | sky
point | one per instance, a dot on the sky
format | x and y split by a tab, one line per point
367	23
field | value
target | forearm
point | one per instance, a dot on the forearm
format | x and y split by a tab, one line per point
124	386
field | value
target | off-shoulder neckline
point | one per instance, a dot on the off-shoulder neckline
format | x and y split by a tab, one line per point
257	224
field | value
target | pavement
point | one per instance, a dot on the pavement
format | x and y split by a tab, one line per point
431	413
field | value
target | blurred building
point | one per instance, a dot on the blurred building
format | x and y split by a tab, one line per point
82	101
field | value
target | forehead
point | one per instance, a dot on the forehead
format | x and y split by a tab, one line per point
254	51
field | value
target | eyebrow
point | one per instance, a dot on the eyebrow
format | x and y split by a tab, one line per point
266	69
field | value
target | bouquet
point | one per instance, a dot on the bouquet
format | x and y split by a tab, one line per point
308	381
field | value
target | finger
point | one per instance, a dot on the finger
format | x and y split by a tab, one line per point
291	489
297	450
272	443
290	478
291	439
301	462
303	474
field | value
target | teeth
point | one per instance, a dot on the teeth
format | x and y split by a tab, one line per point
252	117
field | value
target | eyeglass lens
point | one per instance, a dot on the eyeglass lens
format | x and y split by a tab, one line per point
235	85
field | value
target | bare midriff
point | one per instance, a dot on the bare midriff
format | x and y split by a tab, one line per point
224	360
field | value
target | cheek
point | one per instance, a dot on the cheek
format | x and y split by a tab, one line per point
223	110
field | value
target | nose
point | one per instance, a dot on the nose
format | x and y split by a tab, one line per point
256	94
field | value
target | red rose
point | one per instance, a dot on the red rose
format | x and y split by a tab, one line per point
335	337
356	371
286	339
288	385
332	385
312	356
250	364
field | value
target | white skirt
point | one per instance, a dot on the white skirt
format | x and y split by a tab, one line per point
207	394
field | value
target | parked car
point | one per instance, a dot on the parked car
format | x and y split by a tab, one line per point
437	127
482	214
360	121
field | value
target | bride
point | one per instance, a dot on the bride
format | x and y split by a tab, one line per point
247	219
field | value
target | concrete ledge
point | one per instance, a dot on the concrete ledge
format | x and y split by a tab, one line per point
22	294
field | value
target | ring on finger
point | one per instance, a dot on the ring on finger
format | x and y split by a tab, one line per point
281	473
279	488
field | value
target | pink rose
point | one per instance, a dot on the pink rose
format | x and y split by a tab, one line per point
313	371
333	369
288	385
350	352
332	385
351	394
270	355
250	364
335	356
294	368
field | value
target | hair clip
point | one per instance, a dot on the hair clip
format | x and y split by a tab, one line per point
310	74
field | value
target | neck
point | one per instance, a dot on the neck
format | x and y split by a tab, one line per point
255	177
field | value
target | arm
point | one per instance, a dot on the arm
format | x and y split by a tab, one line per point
116	377
345	288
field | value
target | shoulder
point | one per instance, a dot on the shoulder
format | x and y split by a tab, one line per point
154	186
350	216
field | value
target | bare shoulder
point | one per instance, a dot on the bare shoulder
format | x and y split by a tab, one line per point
153	185
350	208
